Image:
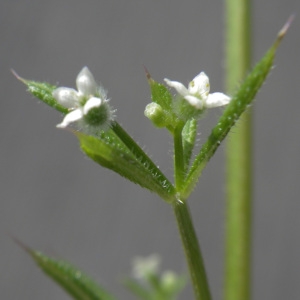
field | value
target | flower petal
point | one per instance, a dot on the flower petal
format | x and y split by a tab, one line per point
71	117
179	87
217	99
200	85
86	83
67	97
91	103
194	101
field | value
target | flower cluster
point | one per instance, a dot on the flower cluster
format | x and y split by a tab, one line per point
88	105
189	103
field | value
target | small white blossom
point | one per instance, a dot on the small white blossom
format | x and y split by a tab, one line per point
87	97
144	266
197	93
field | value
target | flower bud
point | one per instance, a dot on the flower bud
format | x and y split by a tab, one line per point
157	115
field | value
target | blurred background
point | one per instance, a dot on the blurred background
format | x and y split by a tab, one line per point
56	200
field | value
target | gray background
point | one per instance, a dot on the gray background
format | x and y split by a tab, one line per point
56	200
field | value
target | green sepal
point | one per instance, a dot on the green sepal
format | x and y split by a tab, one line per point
189	134
126	165
43	91
241	100
70	278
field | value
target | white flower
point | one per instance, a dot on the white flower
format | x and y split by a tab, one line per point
145	266
197	93
83	101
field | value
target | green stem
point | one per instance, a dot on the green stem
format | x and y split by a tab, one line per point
192	250
238	210
178	158
185	224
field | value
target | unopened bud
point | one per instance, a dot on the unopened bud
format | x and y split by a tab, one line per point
157	115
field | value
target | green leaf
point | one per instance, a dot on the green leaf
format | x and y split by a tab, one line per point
160	93
111	138
127	165
189	134
241	100
42	91
70	278
138	152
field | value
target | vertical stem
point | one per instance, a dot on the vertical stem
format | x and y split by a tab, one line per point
185	224
192	250
178	158
238	210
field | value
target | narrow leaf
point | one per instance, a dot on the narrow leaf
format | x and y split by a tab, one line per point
239	103
138	152
70	278
126	165
112	139
42	91
159	93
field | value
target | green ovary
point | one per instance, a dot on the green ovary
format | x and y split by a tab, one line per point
97	116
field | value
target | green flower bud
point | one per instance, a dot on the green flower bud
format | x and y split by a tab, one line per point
157	115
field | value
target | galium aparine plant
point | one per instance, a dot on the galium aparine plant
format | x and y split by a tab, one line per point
87	110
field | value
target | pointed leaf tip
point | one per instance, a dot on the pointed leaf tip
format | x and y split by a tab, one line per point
18	76
285	28
79	285
147	73
43	91
21	244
